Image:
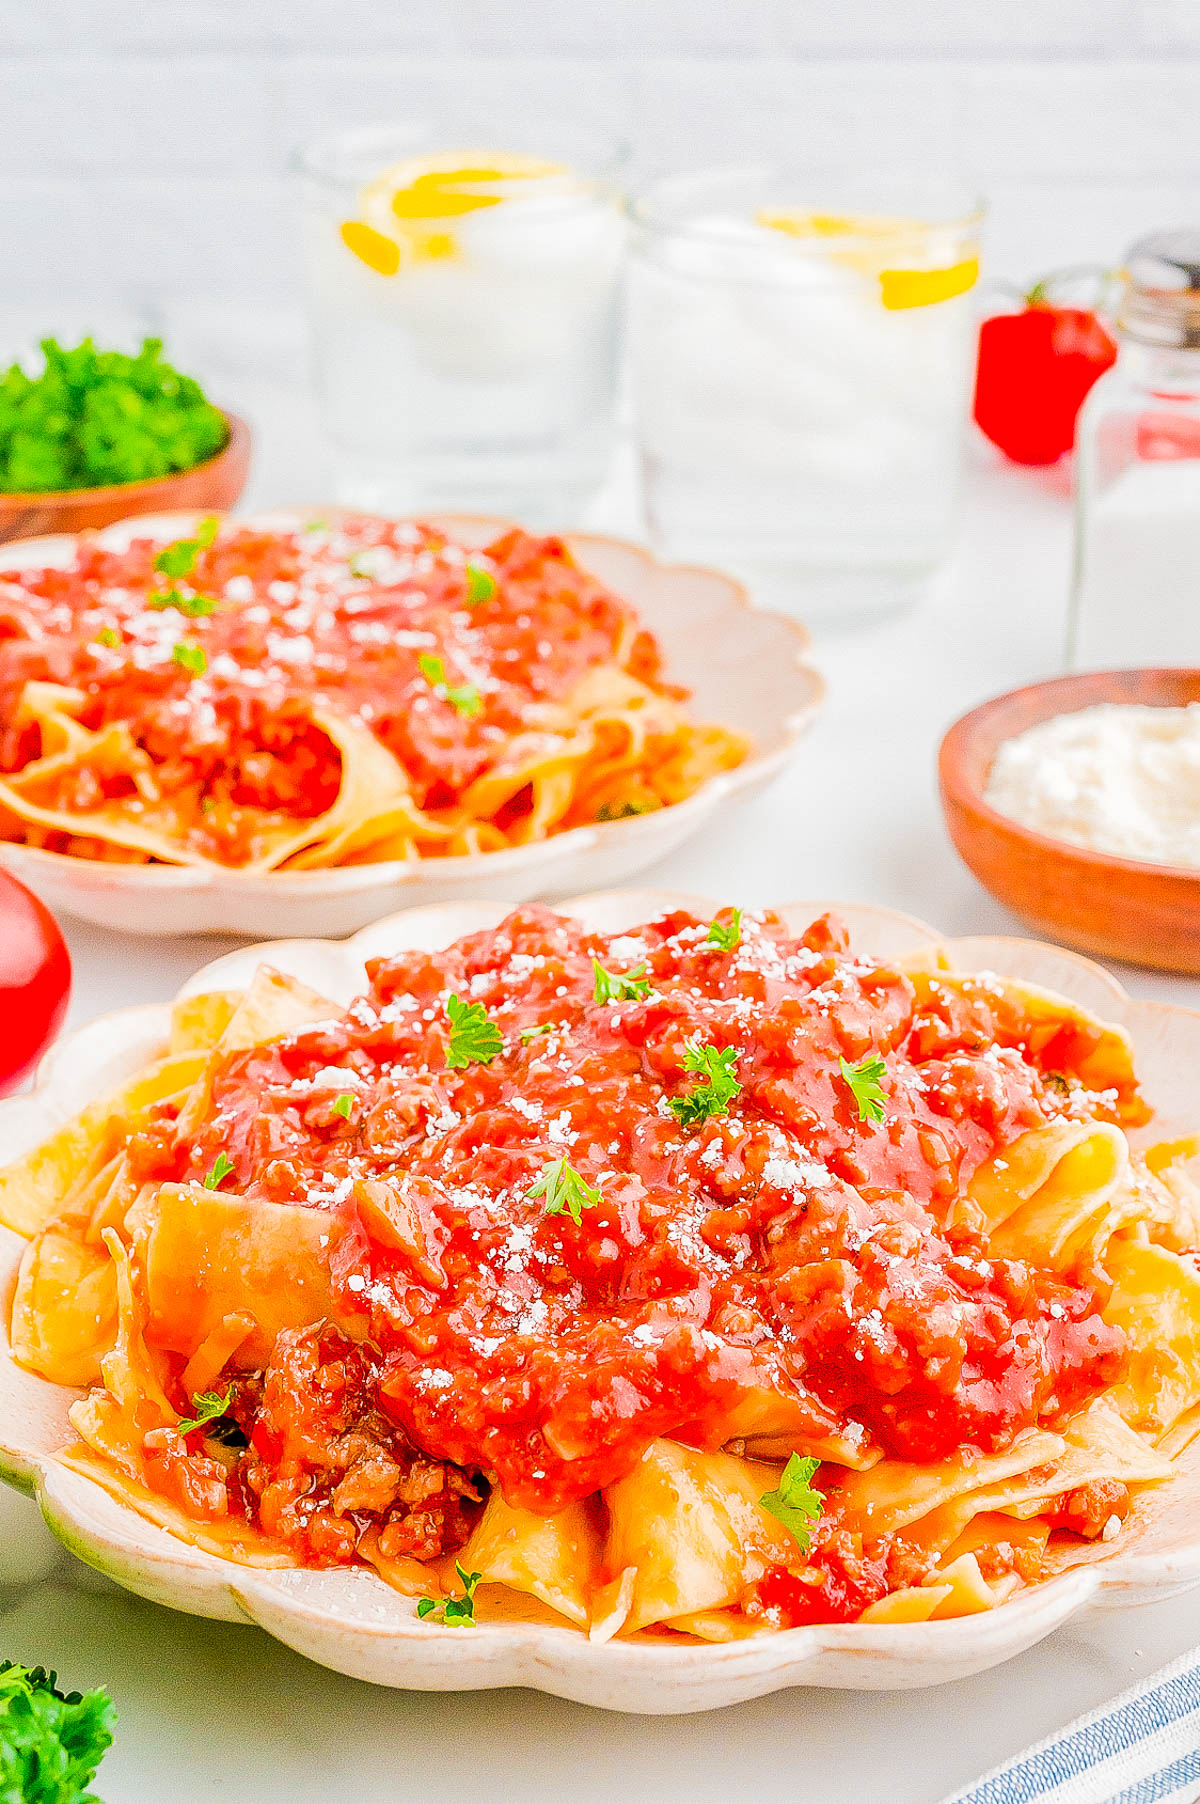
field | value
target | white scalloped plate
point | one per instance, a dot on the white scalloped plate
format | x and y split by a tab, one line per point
748	669
351	1621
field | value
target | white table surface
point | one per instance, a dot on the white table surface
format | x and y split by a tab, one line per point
212	1712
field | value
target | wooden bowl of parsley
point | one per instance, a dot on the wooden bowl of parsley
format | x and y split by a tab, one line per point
98	436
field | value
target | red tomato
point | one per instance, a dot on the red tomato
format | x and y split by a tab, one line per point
1035	369
35	981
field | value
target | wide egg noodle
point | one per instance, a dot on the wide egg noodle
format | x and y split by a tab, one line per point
36	1188
1156	1300
207	1255
691	1528
1056	1193
553	1558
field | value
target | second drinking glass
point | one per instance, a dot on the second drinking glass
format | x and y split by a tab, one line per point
802	378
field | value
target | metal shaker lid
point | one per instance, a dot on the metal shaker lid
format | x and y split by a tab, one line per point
1161	302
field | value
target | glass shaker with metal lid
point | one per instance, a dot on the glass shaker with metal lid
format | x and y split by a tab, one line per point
1136	587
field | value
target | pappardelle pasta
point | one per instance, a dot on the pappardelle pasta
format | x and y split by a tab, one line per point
346	692
697	1280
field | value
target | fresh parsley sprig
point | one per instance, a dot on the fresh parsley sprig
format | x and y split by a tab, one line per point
464	698
610	986
474	1037
866	1086
51	1741
217	1172
566	1191
795	1503
453	1611
209	1406
726	935
712	1097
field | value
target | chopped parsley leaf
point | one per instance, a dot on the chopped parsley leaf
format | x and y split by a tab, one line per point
179	558
720	1086
362	563
565	1191
218	1172
621	811
726	936
192	605
866	1085
343	1105
474	1039
481	585
107	636
453	1611
533	1033
795	1503
610	987
190	657
463	698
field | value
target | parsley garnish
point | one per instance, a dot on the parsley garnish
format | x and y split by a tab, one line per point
209	1407
795	1503
218	1172
464	699
481	585
316	526
51	1741
179	558
610	987
191	605
190	657
97	417
620	811
726	937
452	1610
566	1193
106	636
474	1039
532	1033
866	1084
720	1086
343	1105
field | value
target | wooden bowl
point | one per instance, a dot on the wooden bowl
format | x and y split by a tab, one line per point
1147	914
214	484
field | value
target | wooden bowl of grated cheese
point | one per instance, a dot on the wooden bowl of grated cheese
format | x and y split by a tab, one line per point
1076	803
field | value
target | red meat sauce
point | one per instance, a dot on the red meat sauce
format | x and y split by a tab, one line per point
339	614
783	1246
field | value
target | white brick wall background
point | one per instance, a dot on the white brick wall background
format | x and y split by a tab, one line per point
143	143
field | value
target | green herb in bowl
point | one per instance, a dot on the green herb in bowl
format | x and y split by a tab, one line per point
51	1742
93	419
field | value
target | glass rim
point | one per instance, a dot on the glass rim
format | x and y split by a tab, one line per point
311	160
644	206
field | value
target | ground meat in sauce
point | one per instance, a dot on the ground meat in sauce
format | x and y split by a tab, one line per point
784	1247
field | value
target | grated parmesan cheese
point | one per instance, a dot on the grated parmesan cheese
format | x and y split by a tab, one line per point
1115	778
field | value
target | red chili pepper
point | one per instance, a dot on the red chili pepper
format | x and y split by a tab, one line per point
1035	368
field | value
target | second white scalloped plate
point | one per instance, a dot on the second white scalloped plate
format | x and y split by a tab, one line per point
351	1621
747	669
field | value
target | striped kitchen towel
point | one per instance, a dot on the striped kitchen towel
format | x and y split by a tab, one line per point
1142	1748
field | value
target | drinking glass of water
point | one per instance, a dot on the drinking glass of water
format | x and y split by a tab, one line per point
802	352
465	308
